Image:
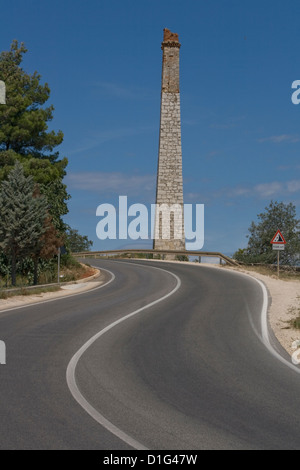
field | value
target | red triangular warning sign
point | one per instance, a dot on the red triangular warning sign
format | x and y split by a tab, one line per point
278	239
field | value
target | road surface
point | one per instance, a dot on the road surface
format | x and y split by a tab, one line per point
190	372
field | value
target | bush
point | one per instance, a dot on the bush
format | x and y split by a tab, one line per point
68	261
296	323
25	271
182	258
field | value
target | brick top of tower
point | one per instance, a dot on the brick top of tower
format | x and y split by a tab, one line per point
170	39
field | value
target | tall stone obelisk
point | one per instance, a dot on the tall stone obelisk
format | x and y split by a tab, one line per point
169	226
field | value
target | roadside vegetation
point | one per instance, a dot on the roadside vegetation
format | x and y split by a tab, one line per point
296	323
70	270
294	311
286	272
33	196
22	291
277	216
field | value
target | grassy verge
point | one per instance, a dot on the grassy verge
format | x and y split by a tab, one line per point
70	270
285	274
23	291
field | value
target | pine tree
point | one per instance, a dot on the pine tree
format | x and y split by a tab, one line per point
24	133
22	217
49	177
23	121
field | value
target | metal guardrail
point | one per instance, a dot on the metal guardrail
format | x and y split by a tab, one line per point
200	254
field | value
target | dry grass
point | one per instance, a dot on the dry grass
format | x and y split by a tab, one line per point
284	274
73	272
24	291
294	311
296	323
77	272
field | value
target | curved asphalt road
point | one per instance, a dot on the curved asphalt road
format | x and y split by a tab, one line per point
188	373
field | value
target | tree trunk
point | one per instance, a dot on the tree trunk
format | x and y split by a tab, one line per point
35	271
13	267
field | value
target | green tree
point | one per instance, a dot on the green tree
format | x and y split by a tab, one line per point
76	242
22	217
182	258
24	133
23	121
48	175
277	216
47	246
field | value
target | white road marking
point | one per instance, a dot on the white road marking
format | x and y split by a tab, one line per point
64	297
265	337
265	330
71	369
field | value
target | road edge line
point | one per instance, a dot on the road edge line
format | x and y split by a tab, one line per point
265	329
265	336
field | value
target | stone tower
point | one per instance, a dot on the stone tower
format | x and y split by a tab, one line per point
169	224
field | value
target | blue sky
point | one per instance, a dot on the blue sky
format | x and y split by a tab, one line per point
240	130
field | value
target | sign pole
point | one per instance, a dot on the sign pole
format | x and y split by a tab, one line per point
278	243
58	265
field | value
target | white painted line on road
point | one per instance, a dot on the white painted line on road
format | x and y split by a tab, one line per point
63	297
265	337
265	329
71	369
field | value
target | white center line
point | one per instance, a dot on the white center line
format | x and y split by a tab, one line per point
71	369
